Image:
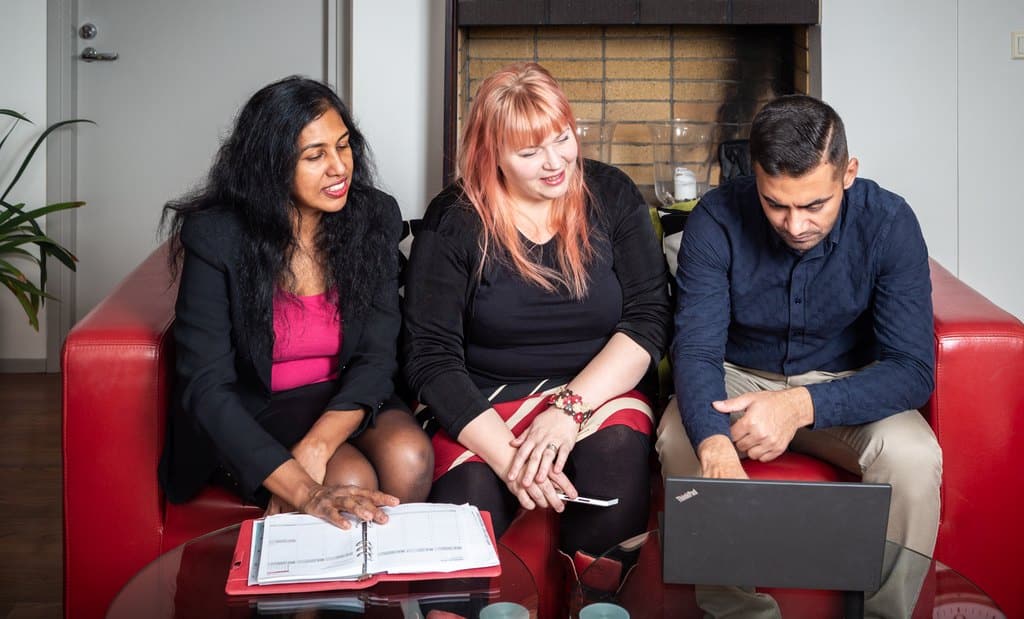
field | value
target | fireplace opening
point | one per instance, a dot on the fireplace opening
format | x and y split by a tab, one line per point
624	79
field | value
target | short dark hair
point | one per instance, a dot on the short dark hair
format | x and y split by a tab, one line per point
792	134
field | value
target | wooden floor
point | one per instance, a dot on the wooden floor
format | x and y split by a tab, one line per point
30	496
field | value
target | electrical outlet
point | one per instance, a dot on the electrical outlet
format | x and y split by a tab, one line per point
1017	45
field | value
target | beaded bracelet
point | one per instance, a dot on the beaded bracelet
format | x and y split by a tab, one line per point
571	404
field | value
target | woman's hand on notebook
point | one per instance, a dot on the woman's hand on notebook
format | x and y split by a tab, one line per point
328	503
277	505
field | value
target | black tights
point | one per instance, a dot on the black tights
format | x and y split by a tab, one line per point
612	462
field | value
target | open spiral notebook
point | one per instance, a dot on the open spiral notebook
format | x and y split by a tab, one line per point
421	541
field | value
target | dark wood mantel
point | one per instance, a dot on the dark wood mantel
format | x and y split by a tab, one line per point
633	12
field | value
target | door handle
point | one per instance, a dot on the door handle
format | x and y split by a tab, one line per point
90	54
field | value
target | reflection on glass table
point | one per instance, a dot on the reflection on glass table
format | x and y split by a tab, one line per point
942	591
189	582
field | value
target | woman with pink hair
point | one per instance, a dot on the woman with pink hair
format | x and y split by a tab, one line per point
536	304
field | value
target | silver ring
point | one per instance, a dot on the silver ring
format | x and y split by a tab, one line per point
552	447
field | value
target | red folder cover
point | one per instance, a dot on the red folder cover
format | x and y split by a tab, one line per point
238	575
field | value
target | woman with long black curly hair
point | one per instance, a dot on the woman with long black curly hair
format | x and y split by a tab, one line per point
287	318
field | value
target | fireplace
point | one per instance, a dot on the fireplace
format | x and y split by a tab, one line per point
639	61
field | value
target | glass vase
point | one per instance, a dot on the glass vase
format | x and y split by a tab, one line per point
682	151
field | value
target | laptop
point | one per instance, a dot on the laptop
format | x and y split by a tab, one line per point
755	533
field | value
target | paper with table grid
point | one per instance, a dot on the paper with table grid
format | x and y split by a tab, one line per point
418	537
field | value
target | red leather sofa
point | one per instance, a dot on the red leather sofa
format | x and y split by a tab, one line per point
117	367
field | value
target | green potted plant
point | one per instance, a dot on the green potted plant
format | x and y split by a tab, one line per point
21	238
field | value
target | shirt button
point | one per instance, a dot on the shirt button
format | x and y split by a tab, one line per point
798	300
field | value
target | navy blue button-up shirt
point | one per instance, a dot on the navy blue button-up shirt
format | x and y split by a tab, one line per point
862	295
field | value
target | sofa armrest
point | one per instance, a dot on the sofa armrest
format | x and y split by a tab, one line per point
977	412
117	362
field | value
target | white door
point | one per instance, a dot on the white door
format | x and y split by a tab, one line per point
183	70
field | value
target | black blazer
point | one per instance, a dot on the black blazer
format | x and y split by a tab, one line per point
222	383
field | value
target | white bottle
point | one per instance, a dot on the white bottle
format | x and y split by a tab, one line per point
685	183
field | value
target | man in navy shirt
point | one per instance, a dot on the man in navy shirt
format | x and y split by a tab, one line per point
804	322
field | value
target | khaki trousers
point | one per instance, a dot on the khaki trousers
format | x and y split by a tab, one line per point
900	450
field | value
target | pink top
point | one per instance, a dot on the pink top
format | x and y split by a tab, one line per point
307	340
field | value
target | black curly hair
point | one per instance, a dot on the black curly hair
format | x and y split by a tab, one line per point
252	176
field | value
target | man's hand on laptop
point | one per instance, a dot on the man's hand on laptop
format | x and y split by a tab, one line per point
769	421
718	458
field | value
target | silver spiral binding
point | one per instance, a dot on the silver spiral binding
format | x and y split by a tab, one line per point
365	549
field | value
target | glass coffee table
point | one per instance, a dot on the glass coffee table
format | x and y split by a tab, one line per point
944	593
189	582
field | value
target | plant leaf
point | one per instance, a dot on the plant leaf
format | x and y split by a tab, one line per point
65	257
20	239
19	227
35	147
22	284
15	209
8	267
17	251
13	250
10	210
32	234
24	216
14	124
42	276
13	114
10	130
31	309
34	293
